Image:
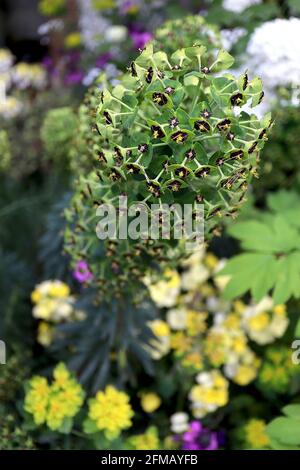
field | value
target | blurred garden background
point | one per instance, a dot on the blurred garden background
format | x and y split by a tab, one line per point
139	344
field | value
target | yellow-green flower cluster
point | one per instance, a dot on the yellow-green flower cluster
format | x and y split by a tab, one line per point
111	412
29	76
147	441
210	393
73	40
53	305
255	435
10	107
51	7
54	404
277	369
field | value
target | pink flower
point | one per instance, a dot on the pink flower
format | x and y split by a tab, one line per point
82	272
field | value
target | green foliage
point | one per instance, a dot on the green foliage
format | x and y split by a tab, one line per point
12	376
271	256
117	329
280	164
55	263
168	133
5	152
58	132
12	436
15	283
284	431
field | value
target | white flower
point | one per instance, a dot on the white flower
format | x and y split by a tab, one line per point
51	25
239	5
230	36
205	379
116	34
176	318
274	52
179	422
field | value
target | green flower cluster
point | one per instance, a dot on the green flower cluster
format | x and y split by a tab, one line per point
168	133
194	30
277	370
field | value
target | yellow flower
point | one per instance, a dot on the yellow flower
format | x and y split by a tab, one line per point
36	399
211	261
193	360
239	306
45	334
210	393
73	40
61	376
44	309
255	431
195	322
216	346
165	292
245	374
279	309
36	296
56	412
160	328
232	321
111	411
180	342
58	289
150	402
239	343
259	322
52	404
39	385
147	441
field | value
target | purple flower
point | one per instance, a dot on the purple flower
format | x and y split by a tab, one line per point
103	60
74	77
82	272
140	38
199	438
